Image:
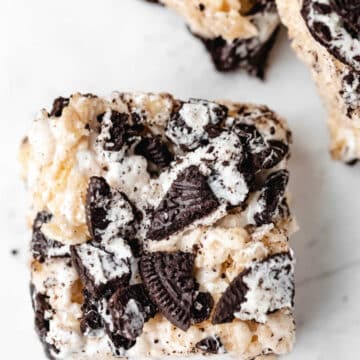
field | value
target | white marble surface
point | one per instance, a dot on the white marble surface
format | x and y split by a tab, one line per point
53	48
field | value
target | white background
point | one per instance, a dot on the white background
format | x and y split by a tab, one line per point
51	48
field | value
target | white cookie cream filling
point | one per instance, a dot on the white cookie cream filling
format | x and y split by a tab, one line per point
270	286
105	263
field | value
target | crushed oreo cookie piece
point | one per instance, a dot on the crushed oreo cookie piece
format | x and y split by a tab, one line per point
58	106
91	318
97	203
335	24
211	345
188	199
202	307
109	213
271	196
194	123
168	277
254	143
248	54
349	10
352	162
130	308
102	268
114	130
43	314
233	296
154	150
278	151
262	288
262	154
119	344
43	248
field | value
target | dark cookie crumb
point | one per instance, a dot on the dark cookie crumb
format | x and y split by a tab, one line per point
271	196
118	130
211	345
352	162
43	311
154	150
97	199
91	319
14	252
119	342
240	54
188	199
58	106
43	248
130	308
202	307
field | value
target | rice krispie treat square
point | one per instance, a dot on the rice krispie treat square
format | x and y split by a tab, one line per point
325	34
236	33
160	227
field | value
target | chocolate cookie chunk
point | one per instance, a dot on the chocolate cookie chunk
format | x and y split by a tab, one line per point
335	24
91	319
168	277
211	345
43	248
102	268
270	196
269	282
188	199
119	343
262	154
202	307
248	54
43	315
109	213
278	151
154	150
194	122
113	130
42	310
130	308
58	106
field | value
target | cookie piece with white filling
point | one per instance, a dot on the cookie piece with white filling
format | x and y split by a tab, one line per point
325	34
237	33
153	215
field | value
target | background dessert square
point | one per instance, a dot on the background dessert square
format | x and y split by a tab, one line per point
42	60
325	34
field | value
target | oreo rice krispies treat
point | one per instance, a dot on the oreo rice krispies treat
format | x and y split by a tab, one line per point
237	33
326	35
160	227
